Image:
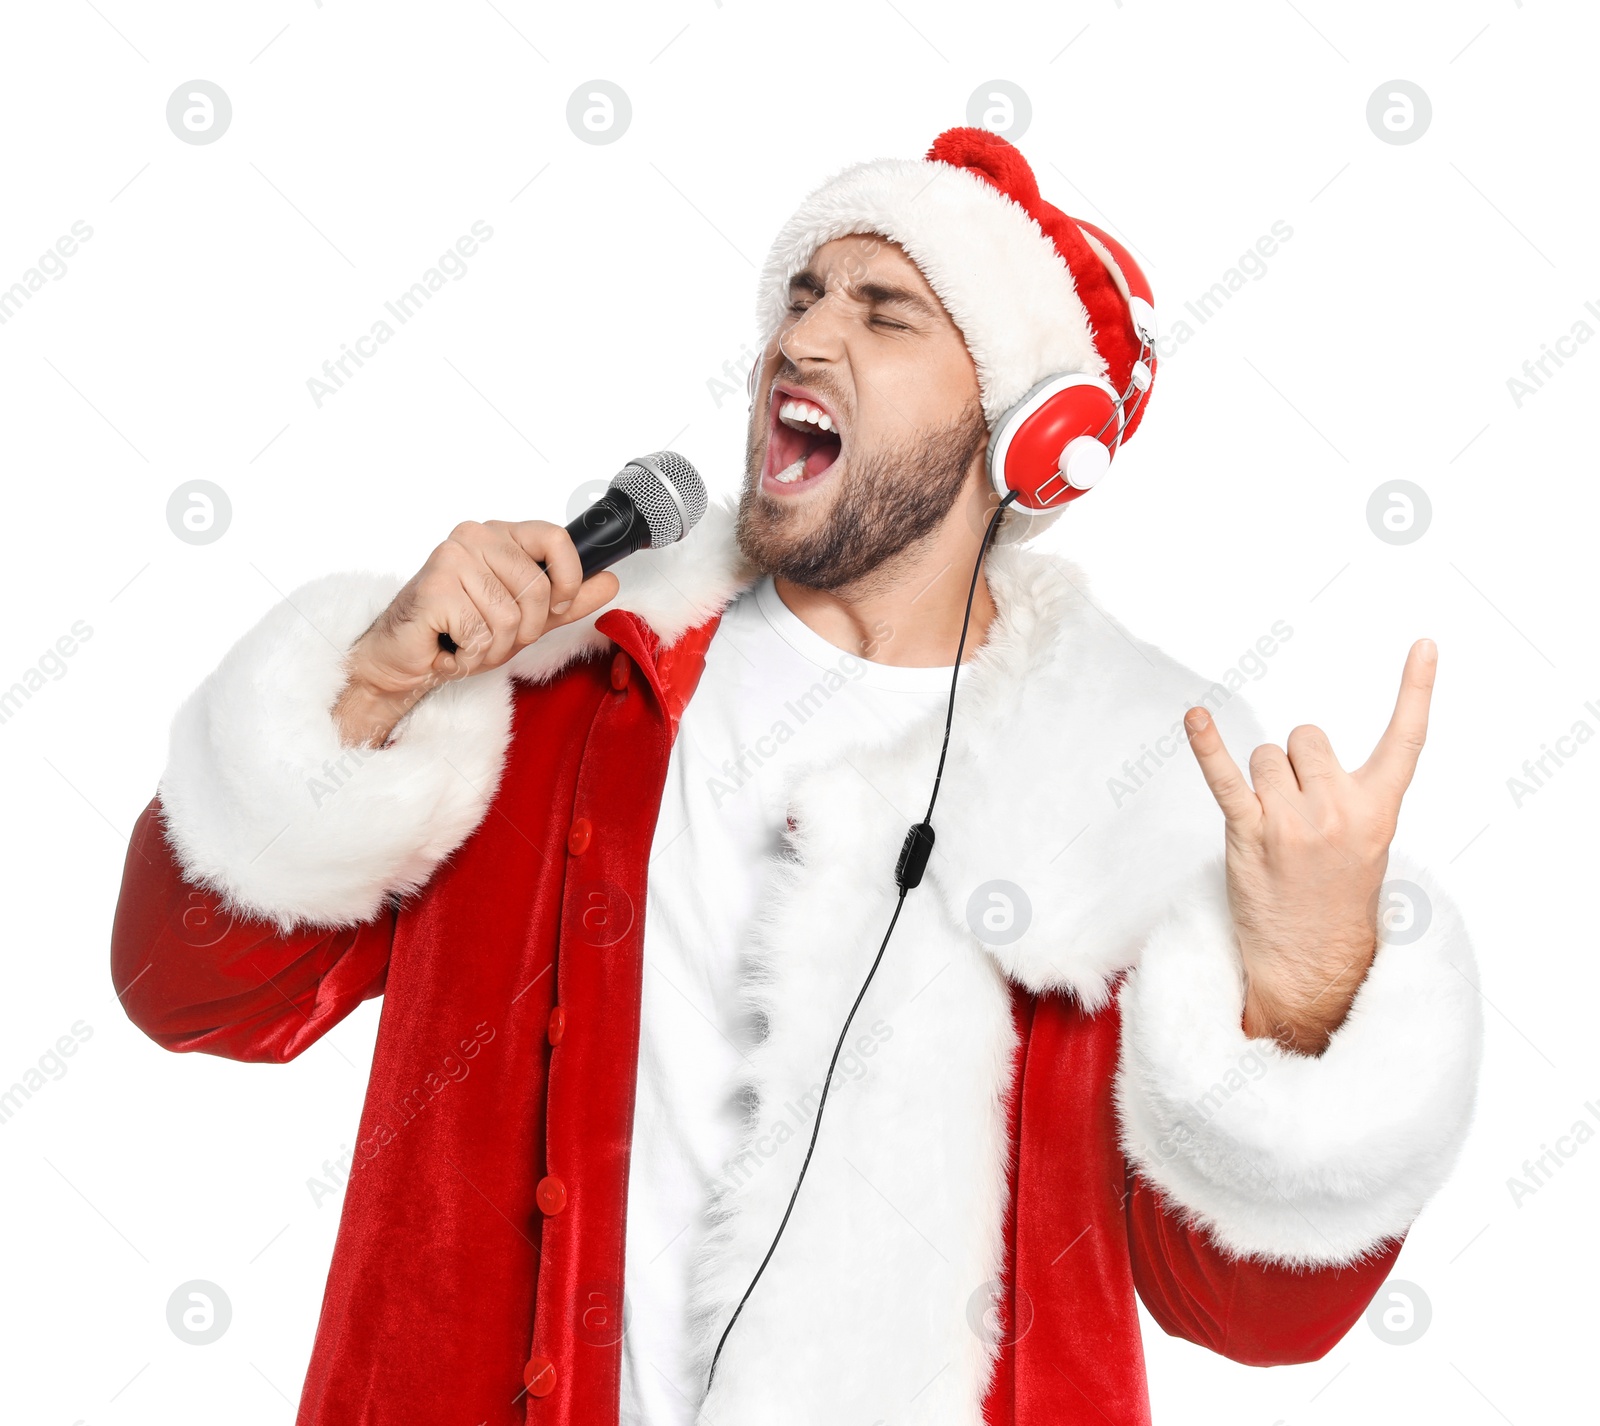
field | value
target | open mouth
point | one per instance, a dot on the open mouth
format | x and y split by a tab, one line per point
803	442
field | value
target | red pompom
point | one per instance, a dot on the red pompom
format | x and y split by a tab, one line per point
990	157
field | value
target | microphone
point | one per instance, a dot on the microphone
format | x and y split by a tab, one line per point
652	501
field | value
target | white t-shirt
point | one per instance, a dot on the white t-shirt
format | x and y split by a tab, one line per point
723	811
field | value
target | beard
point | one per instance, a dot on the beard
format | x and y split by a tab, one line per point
890	499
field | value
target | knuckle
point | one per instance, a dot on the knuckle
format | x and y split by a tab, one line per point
466	532
1277	835
493	592
531	581
535	532
562	553
450	554
1298	833
500	609
435	584
475	635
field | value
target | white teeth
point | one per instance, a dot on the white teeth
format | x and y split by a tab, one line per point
791	473
804	413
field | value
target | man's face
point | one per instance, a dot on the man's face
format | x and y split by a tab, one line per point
867	422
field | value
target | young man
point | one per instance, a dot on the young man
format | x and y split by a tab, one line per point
620	865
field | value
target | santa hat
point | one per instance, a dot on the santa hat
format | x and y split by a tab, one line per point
1033	291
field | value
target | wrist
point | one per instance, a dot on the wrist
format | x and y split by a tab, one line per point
366	715
1267	1019
1304	1017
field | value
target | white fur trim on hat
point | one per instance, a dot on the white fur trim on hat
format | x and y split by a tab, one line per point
999	276
1286	1157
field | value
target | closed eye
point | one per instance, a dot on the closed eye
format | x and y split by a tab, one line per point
885	323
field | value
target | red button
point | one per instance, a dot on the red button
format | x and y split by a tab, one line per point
558	1025
550	1195
621	671
539	1376
579	837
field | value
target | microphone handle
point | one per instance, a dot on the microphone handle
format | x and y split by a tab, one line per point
609	530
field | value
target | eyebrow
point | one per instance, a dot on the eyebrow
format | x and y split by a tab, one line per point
878	294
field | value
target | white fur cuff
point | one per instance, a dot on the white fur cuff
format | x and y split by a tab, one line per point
264	804
1287	1157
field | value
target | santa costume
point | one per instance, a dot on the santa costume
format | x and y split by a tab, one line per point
1049	1106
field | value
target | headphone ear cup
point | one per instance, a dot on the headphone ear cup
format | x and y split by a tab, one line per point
1056	442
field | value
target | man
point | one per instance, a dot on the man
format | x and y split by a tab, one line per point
620	863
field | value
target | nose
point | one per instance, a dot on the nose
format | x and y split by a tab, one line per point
816	335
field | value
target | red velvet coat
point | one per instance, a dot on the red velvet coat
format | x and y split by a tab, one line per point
477	1272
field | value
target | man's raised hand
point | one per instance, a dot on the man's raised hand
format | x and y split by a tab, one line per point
1307	848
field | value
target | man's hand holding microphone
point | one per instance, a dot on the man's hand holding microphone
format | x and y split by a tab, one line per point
495	587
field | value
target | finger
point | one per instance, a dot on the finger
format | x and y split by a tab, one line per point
451	610
464	621
1394	760
499	619
1239	804
431	606
553	548
596	590
1311	759
514	561
480	555
1271	774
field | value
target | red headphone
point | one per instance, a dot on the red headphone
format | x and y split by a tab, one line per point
1058	440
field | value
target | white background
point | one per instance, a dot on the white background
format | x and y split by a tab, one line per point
366	139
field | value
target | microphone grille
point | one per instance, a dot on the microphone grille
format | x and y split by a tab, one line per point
667	491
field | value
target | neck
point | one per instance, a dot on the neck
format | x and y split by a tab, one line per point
908	612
